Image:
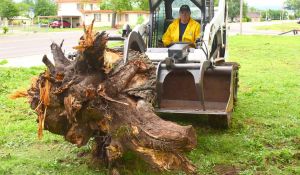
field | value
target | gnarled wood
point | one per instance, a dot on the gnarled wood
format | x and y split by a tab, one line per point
90	97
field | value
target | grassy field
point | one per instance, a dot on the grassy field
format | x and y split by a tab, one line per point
3	62
280	27
264	137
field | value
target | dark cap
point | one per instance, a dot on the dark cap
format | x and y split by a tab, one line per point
184	8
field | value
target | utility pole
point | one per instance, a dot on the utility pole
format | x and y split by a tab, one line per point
282	16
241	17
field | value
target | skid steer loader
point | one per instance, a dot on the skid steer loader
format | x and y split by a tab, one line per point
189	80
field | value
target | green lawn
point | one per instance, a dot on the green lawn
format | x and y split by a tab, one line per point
264	137
3	62
280	27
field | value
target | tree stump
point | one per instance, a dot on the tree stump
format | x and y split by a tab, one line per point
111	102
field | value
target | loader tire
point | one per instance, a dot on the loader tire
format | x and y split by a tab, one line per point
220	121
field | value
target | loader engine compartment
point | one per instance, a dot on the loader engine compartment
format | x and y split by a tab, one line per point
159	54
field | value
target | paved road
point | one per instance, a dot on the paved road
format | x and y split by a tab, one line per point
27	49
27	44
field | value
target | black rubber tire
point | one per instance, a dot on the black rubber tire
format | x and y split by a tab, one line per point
220	121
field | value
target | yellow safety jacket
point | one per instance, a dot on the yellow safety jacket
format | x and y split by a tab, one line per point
191	33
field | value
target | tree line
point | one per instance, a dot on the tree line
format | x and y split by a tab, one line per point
119	5
10	9
293	5
234	10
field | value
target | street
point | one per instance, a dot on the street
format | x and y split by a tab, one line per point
27	44
27	49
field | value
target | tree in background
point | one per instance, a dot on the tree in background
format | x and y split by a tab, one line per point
24	8
8	9
45	8
253	9
274	14
116	6
216	3
140	20
141	4
234	9
40	7
293	5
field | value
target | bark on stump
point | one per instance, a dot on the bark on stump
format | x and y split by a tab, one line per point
111	102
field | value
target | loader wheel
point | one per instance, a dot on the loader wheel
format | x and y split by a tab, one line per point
220	121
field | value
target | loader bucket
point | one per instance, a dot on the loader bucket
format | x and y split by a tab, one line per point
184	90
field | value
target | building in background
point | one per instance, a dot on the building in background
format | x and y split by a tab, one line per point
78	11
21	20
254	16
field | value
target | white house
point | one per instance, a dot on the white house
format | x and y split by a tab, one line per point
79	11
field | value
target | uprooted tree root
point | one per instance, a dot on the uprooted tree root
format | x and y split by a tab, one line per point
91	97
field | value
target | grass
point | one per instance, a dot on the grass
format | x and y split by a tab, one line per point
284	27
264	137
3	62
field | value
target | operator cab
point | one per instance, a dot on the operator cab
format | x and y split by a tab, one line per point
163	12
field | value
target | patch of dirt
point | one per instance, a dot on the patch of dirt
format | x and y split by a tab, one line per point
83	154
55	141
296	140
251	122
223	169
296	156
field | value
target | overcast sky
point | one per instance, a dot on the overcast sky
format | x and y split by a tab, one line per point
260	4
265	4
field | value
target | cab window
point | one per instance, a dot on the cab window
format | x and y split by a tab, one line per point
195	11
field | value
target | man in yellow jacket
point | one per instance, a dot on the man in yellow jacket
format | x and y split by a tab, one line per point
184	29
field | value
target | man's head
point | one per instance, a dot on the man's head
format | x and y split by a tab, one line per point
184	14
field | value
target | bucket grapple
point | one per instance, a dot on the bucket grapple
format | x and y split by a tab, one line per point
190	80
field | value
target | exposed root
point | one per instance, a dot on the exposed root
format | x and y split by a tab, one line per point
98	96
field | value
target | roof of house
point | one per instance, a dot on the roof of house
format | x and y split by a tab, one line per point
20	18
253	14
96	11
111	11
135	11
